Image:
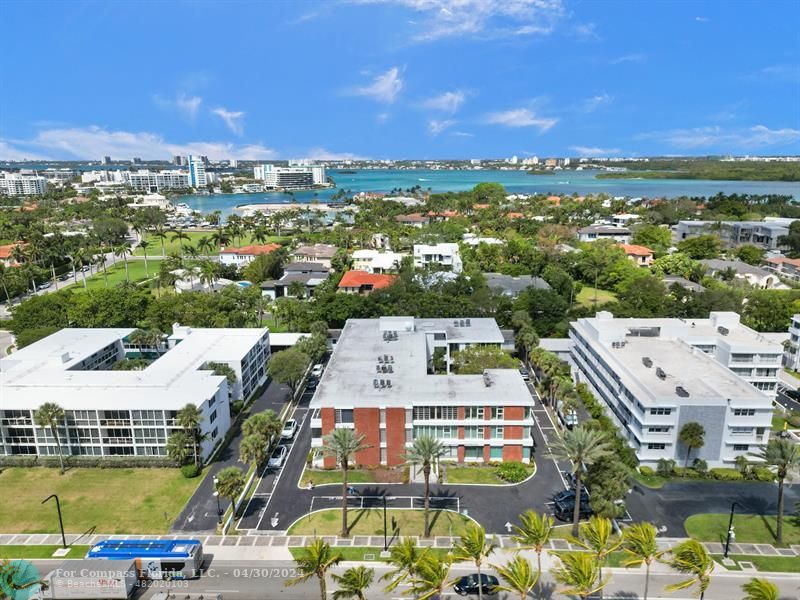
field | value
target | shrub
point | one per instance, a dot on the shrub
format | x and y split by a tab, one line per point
190	471
700	466
647	471
97	462
236	407
725	474
512	472
763	474
794	420
665	467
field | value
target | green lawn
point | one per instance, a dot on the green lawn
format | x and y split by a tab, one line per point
325	476
789	371
477	474
15	552
778	420
774	564
358	553
116	274
370	522
111	500
586	297
652	481
755	529
170	246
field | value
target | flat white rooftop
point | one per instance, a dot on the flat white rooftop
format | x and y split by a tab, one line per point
349	379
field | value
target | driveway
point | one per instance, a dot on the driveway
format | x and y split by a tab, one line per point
200	513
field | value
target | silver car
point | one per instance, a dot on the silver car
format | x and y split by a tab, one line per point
278	456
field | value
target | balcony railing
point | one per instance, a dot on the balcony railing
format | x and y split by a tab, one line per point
115	422
118	440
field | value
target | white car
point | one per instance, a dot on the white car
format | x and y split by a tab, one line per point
278	456
289	429
317	370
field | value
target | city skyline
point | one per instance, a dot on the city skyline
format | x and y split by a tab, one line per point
400	79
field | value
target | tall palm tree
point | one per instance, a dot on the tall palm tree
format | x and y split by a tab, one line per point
692	558
260	234
50	415
100	260
760	589
431	578
425	452
205	245
123	250
596	536
474	546
209	272
161	234
783	454
518	575
180	236
229	484
221	238
179	447
317	558
639	543
405	555
533	533
190	251
3	279
342	445
583	447
189	419
353	583
144	245
579	573
252	450
265	424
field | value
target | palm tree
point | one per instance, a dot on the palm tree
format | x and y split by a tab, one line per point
760	589
205	245
221	238
123	250
533	533
209	271
425	451
582	446
144	245
692	558
475	547
596	537
161	235
3	278
353	582
260	234
579	572
265	424
526	339
180	236
639	543
405	555
342	445
100	260
229	484
692	436
431	578
189	419
317	558
50	415
190	251
518	575
179	447
252	450
296	289
782	454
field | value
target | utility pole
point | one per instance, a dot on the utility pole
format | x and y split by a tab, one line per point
60	522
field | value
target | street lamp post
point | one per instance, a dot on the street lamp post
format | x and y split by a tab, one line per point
731	534
60	522
216	495
385	539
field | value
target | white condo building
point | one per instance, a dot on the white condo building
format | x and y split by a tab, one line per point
151	182
447	256
197	171
656	375
373	261
125	413
14	184
295	176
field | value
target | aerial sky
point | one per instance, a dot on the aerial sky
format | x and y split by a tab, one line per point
398	78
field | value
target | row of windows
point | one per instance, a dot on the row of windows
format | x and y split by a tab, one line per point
427	413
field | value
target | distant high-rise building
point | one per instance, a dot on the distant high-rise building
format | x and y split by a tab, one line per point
16	184
233	163
205	160
292	177
136	160
197	171
513	160
106	160
178	160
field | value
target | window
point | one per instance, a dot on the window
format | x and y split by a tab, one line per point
741	430
444	433
383	436
211	401
442	413
660	411
744	412
383	455
658	430
343	415
214	433
498	433
473	412
498	413
496	453
212	417
740	447
656	446
473	452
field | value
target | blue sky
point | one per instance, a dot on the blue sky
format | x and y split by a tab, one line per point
398	78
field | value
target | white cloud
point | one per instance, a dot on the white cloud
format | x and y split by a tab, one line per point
462	134
435	127
11	152
592	104
520	117
702	19
232	118
384	87
485	18
790	73
320	153
188	106
595	151
586	31
635	57
448	102
382	117
92	142
758	136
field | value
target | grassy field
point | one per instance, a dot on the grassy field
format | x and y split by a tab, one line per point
586	297
370	522
652	481
111	500
116	274
359	553
767	564
478	474
325	476
15	552
170	246
755	529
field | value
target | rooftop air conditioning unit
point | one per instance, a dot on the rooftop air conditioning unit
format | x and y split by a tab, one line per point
681	391
660	373
468	322
647	361
723	330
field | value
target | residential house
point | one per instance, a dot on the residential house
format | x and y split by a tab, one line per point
753	275
512	286
373	261
592	233
642	256
241	257
317	253
785	267
363	283
413	220
445	256
309	275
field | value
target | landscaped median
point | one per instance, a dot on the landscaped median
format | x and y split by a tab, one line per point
749	529
508	473
334	476
369	521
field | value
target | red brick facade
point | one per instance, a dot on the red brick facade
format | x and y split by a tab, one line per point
367	423
395	435
328	416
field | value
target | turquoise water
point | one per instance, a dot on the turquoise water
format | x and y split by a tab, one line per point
565	182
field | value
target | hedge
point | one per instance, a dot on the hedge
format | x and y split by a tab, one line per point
512	471
726	474
101	462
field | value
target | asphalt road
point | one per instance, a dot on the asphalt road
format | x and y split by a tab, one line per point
786	402
200	513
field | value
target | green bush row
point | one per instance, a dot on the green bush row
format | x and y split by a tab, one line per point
699	470
100	462
512	471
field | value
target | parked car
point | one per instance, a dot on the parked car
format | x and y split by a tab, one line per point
44	285
569	495
85	268
317	370
64	277
289	429
793	394
468	585
278	456
568	418
525	374
564	510
311	383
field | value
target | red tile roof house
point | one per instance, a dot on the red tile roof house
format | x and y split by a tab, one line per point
363	283
414	220
244	255
785	267
445	215
7	253
641	255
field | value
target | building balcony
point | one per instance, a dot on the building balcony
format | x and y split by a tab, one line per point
112	441
115	422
